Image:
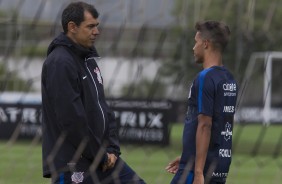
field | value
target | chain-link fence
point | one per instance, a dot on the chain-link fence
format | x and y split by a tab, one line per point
147	61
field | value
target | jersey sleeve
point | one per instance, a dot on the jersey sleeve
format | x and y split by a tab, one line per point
206	93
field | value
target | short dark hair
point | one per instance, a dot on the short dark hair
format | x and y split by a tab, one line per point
75	12
216	32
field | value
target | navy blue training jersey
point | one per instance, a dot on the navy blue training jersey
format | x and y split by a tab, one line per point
213	93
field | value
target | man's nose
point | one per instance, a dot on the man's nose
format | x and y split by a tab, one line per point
95	31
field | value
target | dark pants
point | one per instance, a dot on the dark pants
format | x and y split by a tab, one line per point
120	174
188	179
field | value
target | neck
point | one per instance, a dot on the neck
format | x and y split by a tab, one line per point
212	59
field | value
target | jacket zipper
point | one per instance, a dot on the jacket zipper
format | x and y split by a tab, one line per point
97	95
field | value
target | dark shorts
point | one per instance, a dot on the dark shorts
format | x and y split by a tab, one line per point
121	173
188	178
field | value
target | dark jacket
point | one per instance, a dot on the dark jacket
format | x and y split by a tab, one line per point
78	126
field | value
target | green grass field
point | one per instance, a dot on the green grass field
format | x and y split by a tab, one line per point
253	163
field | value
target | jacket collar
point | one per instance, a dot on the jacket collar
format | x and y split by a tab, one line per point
63	40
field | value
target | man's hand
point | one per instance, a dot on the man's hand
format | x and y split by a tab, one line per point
173	166
199	179
110	162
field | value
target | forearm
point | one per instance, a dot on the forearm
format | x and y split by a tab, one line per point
203	135
113	138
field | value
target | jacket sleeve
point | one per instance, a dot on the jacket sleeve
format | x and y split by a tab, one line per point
113	146
63	80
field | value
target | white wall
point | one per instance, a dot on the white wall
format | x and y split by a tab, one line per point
116	72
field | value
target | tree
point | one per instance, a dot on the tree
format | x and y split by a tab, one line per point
255	26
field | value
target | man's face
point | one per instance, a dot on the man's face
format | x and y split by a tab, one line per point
86	33
199	48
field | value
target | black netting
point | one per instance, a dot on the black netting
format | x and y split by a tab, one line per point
147	66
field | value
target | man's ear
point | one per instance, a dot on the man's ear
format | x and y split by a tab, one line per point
72	27
206	43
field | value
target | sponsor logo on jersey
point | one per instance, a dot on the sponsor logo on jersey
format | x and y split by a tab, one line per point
77	177
99	76
219	175
229	94
229	87
229	109
224	153
227	133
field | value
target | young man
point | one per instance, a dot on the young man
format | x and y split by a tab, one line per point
207	135
80	141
